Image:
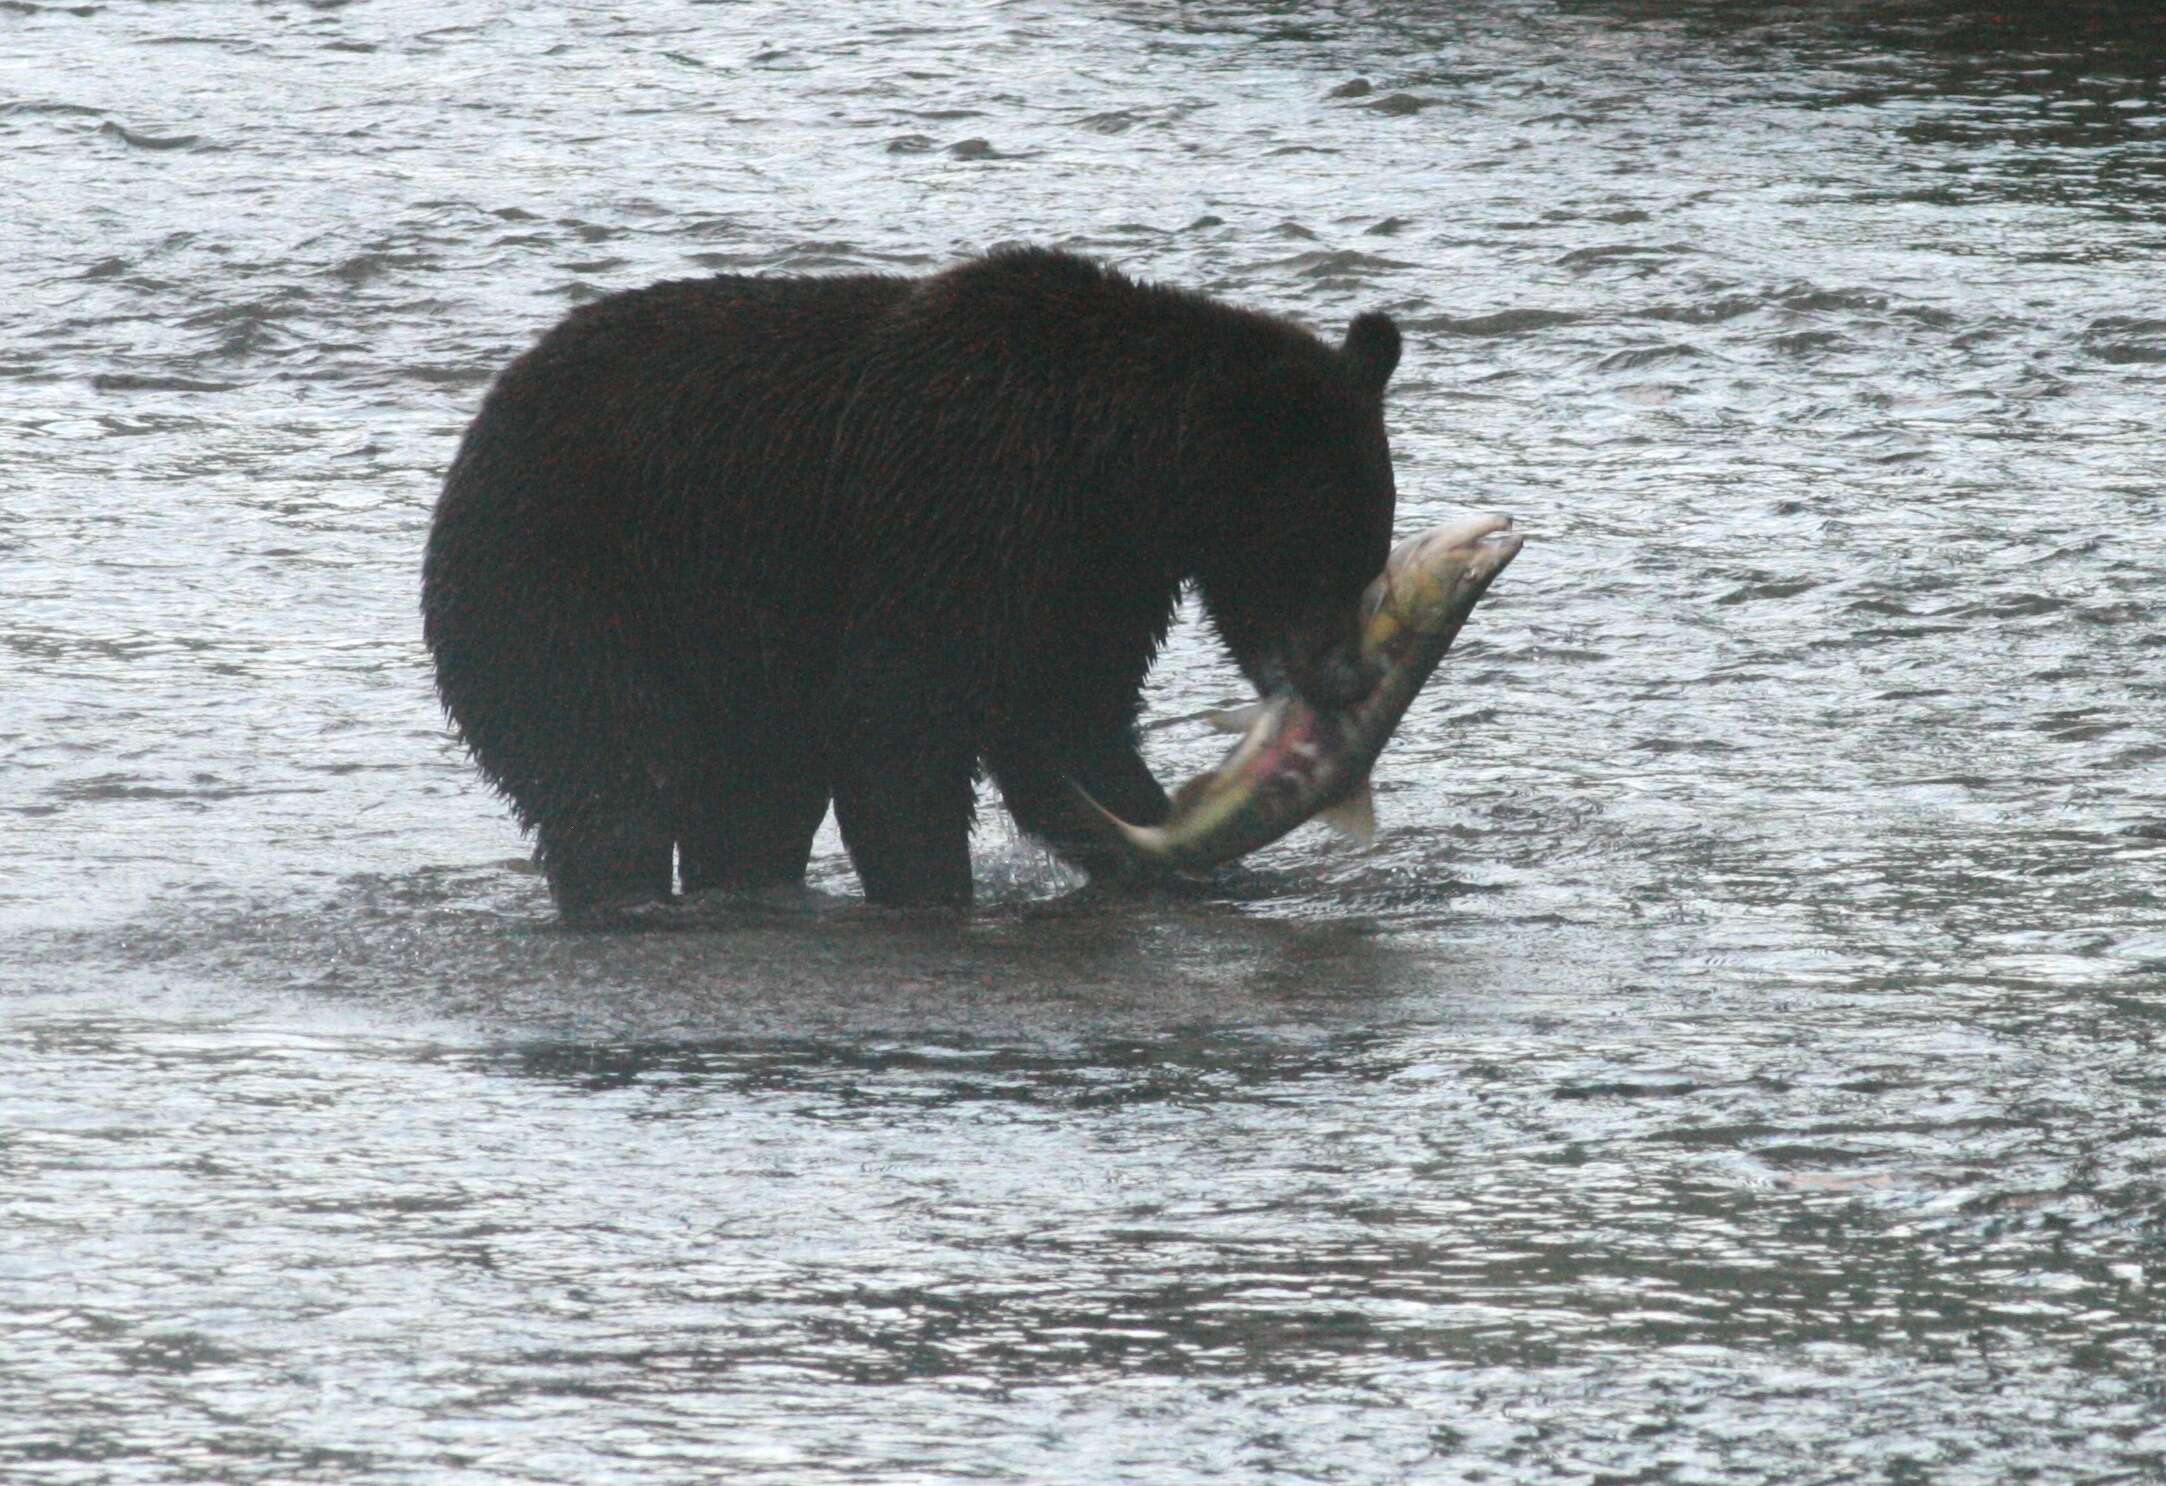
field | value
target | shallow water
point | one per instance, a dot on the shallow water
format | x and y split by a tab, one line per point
1738	1059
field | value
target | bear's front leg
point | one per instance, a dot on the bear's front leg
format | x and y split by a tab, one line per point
1033	780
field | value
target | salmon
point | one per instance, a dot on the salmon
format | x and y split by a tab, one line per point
1295	762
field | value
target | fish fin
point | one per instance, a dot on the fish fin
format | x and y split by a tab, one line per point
1235	719
1355	816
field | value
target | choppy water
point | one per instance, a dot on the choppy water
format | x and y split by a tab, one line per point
1738	1061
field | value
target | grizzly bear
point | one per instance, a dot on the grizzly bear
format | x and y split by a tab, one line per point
718	552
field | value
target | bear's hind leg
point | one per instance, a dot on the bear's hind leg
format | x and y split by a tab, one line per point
578	765
905	817
605	862
752	829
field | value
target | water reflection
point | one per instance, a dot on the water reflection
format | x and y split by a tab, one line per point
468	945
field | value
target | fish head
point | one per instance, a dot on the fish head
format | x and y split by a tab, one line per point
1443	571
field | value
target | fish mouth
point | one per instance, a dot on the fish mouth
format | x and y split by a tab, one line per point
1479	547
1495	545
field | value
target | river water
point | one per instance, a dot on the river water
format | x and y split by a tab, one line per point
1738	1060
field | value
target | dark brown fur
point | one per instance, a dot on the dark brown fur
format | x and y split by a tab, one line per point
715	552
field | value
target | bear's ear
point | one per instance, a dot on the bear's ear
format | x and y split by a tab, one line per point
1372	346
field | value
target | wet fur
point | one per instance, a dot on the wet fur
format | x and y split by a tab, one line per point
716	552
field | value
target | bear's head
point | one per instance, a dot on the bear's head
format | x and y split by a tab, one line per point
1300	500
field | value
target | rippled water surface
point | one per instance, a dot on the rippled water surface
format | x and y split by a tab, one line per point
1738	1060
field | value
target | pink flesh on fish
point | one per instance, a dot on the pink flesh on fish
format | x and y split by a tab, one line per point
1295	763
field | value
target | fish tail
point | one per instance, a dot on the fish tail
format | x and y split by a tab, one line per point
1136	841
